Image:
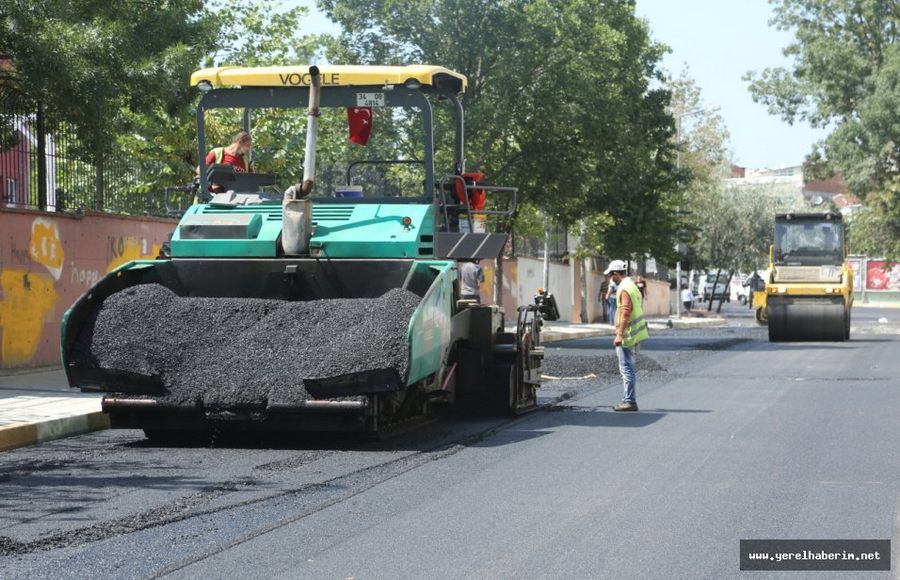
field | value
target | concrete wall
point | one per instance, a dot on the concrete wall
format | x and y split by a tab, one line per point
882	298
522	277
47	260
510	286
657	301
531	277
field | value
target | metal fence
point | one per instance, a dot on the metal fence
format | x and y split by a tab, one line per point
46	170
533	246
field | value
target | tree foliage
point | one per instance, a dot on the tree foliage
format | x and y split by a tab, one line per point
118	73
560	100
703	162
249	33
728	228
846	77
868	232
738	228
86	62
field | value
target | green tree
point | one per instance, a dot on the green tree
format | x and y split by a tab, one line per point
703	163
118	74
247	33
737	229
562	103
868	232
86	62
846	77
729	228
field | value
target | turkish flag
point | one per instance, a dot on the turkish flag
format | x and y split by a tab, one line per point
360	120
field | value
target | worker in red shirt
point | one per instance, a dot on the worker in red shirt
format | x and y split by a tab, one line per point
237	154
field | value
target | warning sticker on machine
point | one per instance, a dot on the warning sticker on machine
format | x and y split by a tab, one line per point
369	99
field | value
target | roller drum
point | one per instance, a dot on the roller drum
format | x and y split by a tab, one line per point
800	318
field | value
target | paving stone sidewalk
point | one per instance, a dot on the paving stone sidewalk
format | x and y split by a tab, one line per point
39	406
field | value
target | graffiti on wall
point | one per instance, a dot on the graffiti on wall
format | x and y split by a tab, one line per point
46	249
123	249
29	301
38	283
19	256
29	298
83	277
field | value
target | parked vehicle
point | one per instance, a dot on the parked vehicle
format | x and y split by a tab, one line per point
721	286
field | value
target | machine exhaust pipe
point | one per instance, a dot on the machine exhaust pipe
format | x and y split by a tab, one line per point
312	132
297	228
304	188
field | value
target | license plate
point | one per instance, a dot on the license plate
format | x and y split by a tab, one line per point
369	99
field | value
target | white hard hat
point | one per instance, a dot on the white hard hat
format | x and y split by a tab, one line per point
616	266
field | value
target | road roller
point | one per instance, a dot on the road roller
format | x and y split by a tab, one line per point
295	307
809	287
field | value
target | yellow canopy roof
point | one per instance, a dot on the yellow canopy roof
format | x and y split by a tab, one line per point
332	75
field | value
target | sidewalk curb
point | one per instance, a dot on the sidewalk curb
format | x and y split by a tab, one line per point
15	372
697	322
28	433
560	335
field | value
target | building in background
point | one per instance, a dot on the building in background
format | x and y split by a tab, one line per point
787	185
784	184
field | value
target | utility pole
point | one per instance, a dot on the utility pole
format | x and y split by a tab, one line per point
545	282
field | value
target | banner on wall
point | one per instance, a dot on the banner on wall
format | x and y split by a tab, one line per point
880	276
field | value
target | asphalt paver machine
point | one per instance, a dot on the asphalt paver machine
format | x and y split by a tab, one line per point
310	310
809	288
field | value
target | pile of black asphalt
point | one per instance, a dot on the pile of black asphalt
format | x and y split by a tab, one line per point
244	352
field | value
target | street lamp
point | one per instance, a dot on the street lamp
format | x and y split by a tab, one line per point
678	118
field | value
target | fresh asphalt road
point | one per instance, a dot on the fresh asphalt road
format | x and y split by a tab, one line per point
736	439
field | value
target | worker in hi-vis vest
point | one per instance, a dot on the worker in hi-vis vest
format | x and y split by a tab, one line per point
631	329
237	154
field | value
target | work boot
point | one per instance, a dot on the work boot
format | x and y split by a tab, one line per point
626	406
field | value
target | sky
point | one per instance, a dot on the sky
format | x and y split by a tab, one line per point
719	41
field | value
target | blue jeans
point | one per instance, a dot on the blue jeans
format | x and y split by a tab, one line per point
628	370
612	311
